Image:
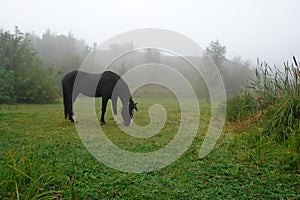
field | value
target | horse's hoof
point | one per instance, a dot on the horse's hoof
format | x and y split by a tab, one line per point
73	121
103	123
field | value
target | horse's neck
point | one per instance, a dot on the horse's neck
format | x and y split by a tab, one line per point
124	93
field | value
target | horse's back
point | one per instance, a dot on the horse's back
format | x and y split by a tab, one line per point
107	83
85	82
70	76
68	81
109	77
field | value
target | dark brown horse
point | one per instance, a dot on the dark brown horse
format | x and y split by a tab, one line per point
107	85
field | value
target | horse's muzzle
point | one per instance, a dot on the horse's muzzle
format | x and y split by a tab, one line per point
128	123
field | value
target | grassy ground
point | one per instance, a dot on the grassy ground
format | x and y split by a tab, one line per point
41	156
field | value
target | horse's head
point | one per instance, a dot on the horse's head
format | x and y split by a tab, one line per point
127	113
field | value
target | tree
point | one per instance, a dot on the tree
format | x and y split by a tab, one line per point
7	86
22	76
62	52
234	72
152	55
217	52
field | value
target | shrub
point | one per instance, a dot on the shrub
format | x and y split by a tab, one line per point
240	107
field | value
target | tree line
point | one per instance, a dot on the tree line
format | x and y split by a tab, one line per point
22	76
31	67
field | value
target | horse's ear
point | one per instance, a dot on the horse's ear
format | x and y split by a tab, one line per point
135	106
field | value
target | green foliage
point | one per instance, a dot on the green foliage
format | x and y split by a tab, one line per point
254	147
39	86
276	93
283	118
7	86
276	137
22	76
240	107
61	53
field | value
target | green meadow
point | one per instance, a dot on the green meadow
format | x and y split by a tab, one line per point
42	157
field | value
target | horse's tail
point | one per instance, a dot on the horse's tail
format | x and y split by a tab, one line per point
65	98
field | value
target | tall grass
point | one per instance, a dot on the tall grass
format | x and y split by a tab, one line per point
278	94
274	95
25	177
274	92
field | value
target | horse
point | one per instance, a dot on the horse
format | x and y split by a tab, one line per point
107	85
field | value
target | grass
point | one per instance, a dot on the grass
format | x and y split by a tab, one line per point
42	157
274	94
278	94
267	116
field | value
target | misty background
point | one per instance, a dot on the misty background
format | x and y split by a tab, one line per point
50	38
266	29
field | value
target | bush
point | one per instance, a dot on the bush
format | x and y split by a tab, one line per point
37	85
240	107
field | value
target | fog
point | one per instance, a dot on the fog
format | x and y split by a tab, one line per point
266	29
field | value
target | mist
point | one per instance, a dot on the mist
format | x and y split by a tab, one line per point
250	29
71	35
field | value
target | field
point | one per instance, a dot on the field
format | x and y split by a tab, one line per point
42	157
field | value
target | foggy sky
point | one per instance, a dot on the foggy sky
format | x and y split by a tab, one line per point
268	29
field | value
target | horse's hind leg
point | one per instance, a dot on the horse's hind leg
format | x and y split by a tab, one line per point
104	104
70	110
65	100
72	117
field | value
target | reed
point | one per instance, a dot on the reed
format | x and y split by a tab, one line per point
275	93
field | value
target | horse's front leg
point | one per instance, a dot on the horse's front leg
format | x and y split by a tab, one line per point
104	104
114	101
72	114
